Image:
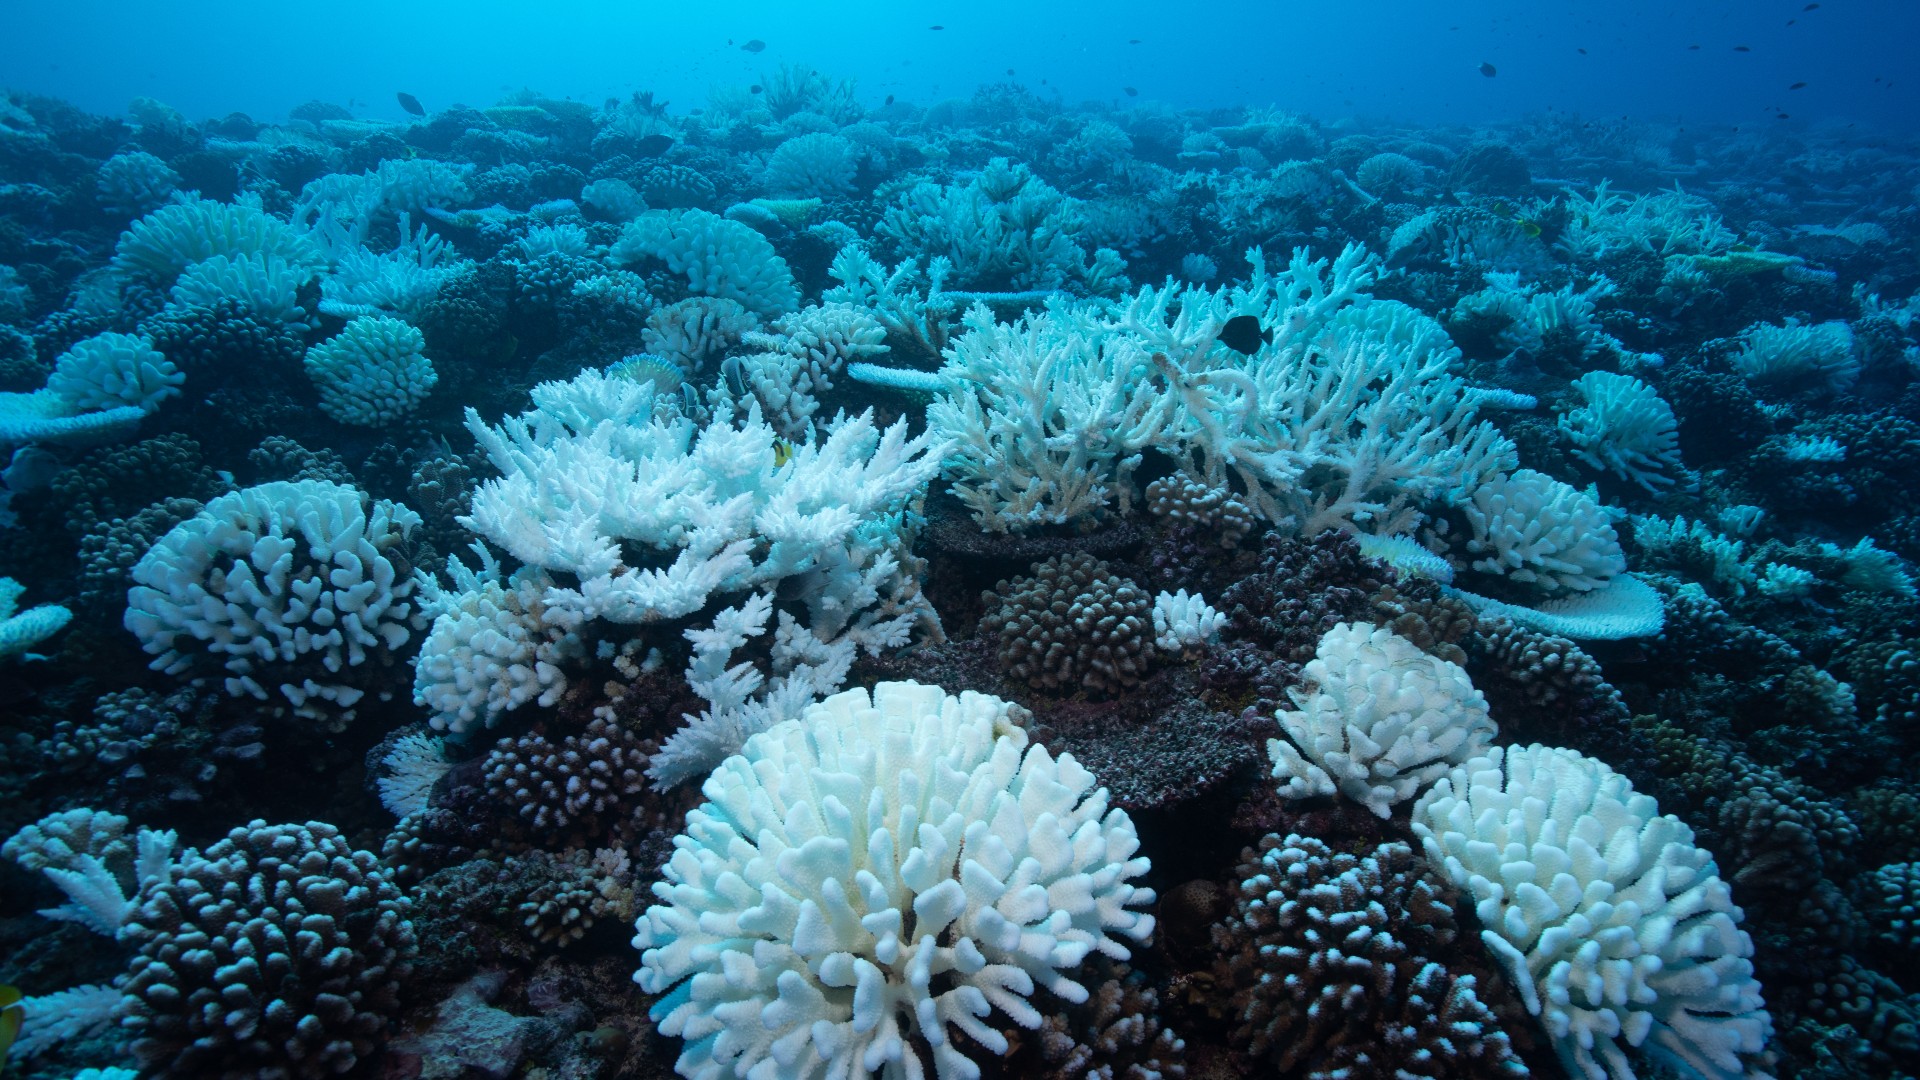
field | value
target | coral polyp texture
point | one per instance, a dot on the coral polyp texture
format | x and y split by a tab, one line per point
1615	927
866	884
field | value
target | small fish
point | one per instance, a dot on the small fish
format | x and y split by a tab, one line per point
1243	335
1131	92
1133	41
1488	69
1693	48
1797	86
1782	116
653	145
1809	7
1582	52
1009	71
936	26
756	45
756	88
782	452
1741	48
411	104
889	99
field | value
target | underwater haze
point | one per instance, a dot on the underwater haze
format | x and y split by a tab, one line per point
1369	541
1407	59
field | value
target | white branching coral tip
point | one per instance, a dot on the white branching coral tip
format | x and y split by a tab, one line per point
868	876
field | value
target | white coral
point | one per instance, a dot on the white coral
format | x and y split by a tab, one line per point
717	256
373	372
1625	428
111	371
1382	720
1183	621
1795	356
1529	527
876	873
1614	926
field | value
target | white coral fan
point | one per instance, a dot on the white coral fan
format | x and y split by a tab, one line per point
1625	428
111	371
1612	924
1529	527
868	875
286	586
1382	721
373	372
1182	621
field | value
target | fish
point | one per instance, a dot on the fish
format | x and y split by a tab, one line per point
755	88
1582	52
1488	69
1797	86
1693	48
653	145
410	103
1809	7
1741	48
889	99
1244	335
1133	41
1131	92
1782	116
936	26
782	452
1009	71
754	46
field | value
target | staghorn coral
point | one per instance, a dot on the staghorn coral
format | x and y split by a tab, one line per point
1073	625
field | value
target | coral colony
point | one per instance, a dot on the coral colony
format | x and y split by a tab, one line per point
797	588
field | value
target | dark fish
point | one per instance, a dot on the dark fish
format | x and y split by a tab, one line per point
1741	48
936	26
653	145
756	45
1243	335
755	88
1131	92
889	99
1582	52
1488	69
1809	7
411	104
1009	71
1133	41
1797	86
1782	116
1693	48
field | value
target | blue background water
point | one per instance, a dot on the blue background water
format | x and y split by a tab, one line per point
1407	59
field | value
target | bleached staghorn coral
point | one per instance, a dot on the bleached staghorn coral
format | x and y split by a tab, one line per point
922	321
1625	428
281	585
1382	720
1612	924
874	873
1669	223
20	630
603	468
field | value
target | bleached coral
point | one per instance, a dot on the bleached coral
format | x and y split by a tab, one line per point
288	587
1528	527
413	765
870	877
1382	720
602	469
694	331
174	237
801	354
1613	925
1798	357
113	371
269	286
1183	622
373	372
20	630
718	257
1006	228
1625	428
808	166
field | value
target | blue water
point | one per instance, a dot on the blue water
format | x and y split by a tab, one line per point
1396	58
